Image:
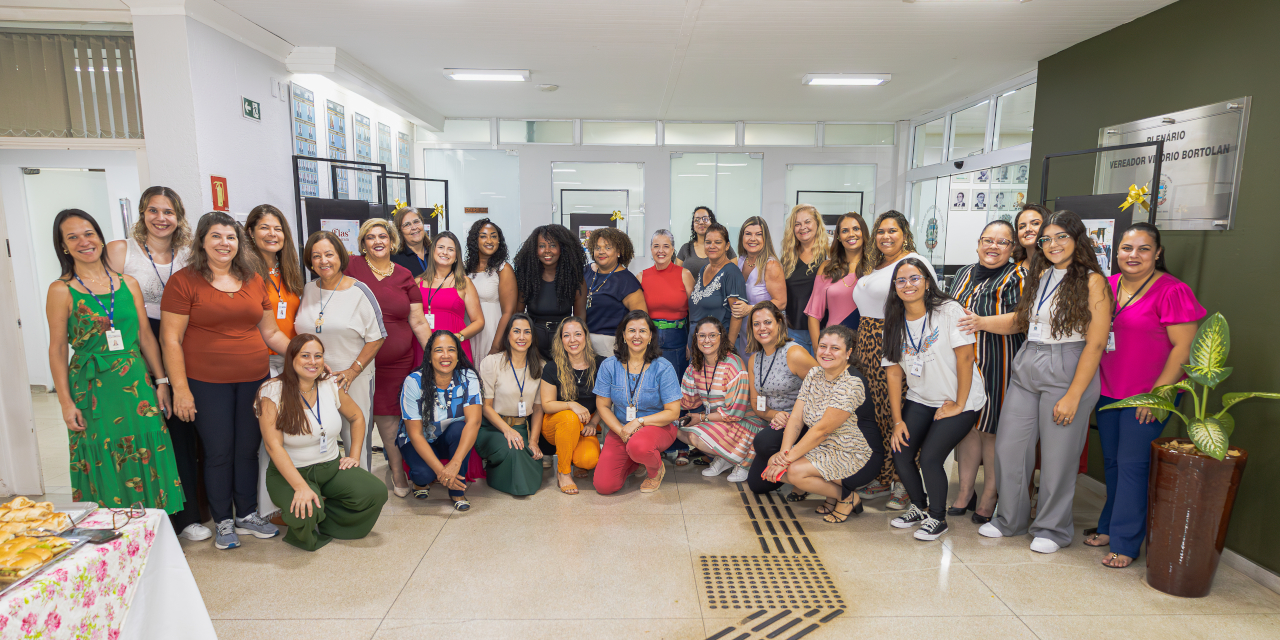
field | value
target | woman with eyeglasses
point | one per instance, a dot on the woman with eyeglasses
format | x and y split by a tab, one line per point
1066	313
717	382
693	254
892	244
833	287
762	272
667	287
927	353
989	290
508	440
495	283
804	248
638	395
413	235
1153	324
549	269
612	290
570	417
777	368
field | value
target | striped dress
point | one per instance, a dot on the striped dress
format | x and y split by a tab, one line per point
996	295
731	429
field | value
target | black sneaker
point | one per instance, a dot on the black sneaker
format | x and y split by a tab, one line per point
931	529
911	518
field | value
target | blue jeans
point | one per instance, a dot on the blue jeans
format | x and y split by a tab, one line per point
801	336
673	343
445	445
1126	456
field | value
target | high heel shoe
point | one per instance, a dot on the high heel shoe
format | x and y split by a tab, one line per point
959	511
835	517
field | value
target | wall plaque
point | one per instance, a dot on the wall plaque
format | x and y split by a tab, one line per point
475	209
1200	174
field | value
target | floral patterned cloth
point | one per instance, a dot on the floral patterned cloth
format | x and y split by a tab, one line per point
87	595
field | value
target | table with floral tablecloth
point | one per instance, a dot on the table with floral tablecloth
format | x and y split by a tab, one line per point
90	594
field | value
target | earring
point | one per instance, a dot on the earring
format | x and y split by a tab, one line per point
64	250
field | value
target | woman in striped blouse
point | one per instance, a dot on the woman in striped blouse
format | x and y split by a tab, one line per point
989	290
717	380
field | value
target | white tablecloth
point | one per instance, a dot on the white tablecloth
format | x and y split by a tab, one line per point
167	602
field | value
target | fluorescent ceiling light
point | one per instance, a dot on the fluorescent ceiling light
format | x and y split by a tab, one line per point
564	171
727	164
566	183
847	79
706	164
692	175
490	75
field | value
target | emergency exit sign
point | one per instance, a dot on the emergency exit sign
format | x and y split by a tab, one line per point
250	110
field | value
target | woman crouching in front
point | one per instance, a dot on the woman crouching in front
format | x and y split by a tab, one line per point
826	448
300	414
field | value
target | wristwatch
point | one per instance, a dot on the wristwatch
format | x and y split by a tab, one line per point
160	381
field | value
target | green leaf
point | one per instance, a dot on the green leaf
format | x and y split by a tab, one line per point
1168	392
1209	352
1209	436
1150	400
1228	423
1229	399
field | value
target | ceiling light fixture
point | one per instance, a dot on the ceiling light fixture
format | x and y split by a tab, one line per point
847	79
488	75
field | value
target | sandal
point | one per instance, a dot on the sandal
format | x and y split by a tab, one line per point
569	489
798	496
581	473
826	507
1093	537
423	493
835	517
1112	557
682	458
461	504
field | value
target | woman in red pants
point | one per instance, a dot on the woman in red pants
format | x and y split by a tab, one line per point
638	398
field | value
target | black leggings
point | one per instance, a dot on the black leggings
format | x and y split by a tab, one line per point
185	443
229	431
933	440
769	442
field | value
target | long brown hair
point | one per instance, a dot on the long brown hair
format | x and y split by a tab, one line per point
1019	251
291	418
287	257
779	319
564	370
1071	310
181	235
908	240
245	263
766	253
696	357
459	274
837	267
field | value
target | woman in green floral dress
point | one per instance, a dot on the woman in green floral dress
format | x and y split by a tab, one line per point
121	453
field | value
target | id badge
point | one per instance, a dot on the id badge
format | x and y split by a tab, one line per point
115	341
282	310
1111	341
520	409
631	414
431	321
760	404
324	442
917	368
1035	332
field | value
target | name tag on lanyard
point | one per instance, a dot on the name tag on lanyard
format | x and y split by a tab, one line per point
1035	332
431	321
631	413
282	310
520	409
760	403
1111	341
917	368
115	341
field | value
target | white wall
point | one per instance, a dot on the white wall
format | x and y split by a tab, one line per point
19	452
122	182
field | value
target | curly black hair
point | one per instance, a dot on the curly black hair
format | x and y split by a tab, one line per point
473	248
693	232
568	270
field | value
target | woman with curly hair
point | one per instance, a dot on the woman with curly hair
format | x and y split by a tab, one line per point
495	283
612	290
693	254
1067	314
548	270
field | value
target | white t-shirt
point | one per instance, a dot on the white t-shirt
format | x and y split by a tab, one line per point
932	340
304	449
874	288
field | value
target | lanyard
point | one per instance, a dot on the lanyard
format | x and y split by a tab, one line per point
320	316
1134	296
1048	293
421	263
431	296
772	361
279	295
923	330
635	391
316	411
173	257
711	378
519	382
111	314
595	275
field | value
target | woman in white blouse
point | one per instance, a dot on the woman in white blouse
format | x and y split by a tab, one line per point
300	413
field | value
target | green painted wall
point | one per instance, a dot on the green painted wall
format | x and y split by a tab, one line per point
1188	54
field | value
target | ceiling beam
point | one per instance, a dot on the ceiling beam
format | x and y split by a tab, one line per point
353	75
219	18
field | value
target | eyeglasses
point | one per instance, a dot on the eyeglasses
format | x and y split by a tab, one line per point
135	511
702	219
704	337
995	242
1060	239
412	223
912	280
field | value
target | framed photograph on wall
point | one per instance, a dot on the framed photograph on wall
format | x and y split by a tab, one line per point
983	176
1002	175
1021	173
979	200
959	200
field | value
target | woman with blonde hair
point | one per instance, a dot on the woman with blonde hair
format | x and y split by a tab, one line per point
159	244
804	248
762	272
571	420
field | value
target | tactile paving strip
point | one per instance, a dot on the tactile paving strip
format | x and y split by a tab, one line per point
767	581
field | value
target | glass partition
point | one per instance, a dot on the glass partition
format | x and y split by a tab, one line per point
483	183
769	134
723	134
838	135
969	130
835	189
588	194
732	184
457	131
535	131
928	144
621	133
1015	115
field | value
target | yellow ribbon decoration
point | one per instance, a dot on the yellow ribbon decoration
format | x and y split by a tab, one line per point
1137	196
617	215
439	209
399	205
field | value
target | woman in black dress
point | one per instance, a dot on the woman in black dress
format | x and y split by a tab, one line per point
549	276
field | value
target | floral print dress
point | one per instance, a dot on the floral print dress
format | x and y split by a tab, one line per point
124	455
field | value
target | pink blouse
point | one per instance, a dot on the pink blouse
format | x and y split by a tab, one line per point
832	298
1142	339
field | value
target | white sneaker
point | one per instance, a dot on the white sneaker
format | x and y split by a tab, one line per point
718	466
1044	545
739	474
196	532
989	530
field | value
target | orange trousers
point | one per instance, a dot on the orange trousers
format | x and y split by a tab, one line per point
564	430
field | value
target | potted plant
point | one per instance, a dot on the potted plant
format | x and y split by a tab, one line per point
1193	482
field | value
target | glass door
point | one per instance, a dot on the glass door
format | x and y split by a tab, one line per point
732	184
589	195
585	210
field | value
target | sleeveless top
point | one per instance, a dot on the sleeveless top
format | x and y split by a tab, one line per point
486	284
799	290
545	307
775	380
756	291
151	277
664	293
1046	311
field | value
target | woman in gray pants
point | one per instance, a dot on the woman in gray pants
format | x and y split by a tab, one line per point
1065	312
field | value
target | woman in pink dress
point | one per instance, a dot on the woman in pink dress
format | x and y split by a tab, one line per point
448	295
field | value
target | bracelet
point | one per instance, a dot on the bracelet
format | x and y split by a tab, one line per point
358	364
160	381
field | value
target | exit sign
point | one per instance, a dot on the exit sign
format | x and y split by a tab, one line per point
250	109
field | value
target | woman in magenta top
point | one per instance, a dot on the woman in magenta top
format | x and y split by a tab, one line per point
833	287
1154	323
667	287
448	295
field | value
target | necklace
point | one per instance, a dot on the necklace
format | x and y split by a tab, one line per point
377	272
592	289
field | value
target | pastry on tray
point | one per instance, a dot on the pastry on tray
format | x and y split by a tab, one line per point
21	514
21	556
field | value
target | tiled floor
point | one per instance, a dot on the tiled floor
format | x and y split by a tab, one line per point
623	566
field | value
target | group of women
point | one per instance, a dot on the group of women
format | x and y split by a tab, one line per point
840	367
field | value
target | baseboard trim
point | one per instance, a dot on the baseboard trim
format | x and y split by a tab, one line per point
1253	570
